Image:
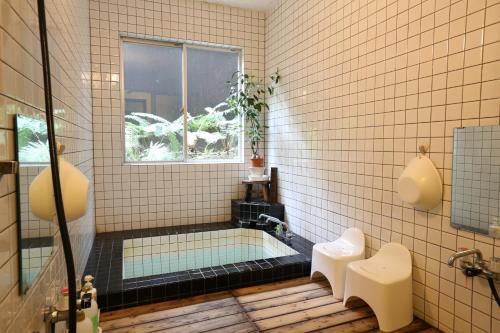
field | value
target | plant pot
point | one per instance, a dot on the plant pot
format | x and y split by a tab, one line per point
257	173
257	162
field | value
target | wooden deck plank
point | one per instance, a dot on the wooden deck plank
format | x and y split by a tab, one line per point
191	319
310	323
215	324
275	285
298	297
135	311
416	326
166	314
357	326
291	308
246	327
297	317
281	292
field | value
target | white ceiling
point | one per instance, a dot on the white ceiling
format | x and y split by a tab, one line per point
261	5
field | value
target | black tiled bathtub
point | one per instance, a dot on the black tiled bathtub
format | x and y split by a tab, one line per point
106	264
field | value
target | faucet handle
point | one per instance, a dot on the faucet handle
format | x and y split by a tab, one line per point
472	271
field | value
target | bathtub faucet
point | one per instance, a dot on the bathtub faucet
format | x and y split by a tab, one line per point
273	219
286	234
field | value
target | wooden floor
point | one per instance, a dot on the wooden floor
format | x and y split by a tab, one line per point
291	306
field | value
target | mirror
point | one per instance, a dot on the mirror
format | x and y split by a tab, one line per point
35	236
475	191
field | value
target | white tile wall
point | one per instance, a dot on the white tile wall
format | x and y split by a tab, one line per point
21	90
365	82
143	196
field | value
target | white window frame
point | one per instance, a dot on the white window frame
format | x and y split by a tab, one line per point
185	45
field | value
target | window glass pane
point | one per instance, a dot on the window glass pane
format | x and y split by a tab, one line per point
213	132
154	120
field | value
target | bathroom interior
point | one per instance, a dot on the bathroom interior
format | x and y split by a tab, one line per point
249	166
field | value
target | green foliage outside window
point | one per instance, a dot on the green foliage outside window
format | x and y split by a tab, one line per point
211	135
32	140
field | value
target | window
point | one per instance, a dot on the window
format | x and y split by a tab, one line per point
174	103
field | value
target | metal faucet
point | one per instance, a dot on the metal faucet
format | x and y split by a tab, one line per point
477	267
273	219
465	253
286	234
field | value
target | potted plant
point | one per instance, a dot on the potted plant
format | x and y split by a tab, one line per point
247	98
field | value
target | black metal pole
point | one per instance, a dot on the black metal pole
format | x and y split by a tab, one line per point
54	165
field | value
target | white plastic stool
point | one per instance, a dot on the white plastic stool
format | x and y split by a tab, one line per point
331	258
384	282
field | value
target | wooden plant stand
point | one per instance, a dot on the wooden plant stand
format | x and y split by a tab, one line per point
269	187
249	186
